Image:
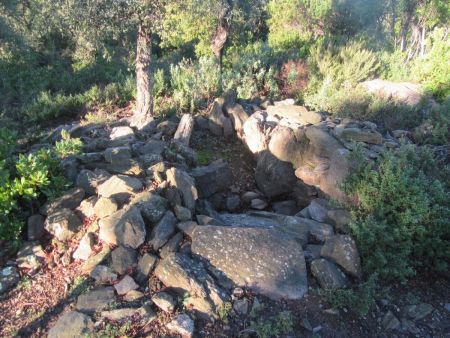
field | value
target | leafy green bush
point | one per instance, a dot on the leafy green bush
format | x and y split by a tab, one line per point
436	127
28	178
401	221
249	71
47	106
276	326
193	82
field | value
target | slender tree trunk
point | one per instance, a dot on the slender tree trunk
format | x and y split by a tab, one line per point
144	100
422	42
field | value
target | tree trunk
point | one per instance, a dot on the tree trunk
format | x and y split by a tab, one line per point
144	100
422	42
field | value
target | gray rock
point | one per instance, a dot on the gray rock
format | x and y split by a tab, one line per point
267	261
95	300
164	301
342	250
233	203
9	276
89	180
105	206
162	231
390	322
35	228
274	177
152	206
153	147
133	295
122	134
178	149
187	227
328	274
185	184
145	266
127	166
124	227
182	325
318	210
95	260
119	187
69	166
117	154
63	224
120	314
362	135
312	252
295	114
87	206
70	200
258	204
418	311
185	275
172	245
340	219
103	275
84	249
183	214
288	207
126	285
123	259
240	306
72	325
30	256
213	178
319	232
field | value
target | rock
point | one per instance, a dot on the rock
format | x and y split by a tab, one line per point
248	196
125	167
258	204
328	274
237	115
318	210
35	228
322	143
123	134
70	200
312	252
342	250
274	177
295	114
265	260
153	147
213	178
240	306
119	187
217	119
89	180
69	166
233	202
361	135
188	155
172	245
9	277
133	295
70	325
183	214
285	147
84	249
95	260
152	206
162	231
105	206
256	133
182	325
103	275
124	227
187	227
405	92
63	224
164	301
185	184
30	256
95	300
86	207
125	285
390	322
418	312
145	266
185	275
124	259
289	207
117	154
120	314
340	219
319	232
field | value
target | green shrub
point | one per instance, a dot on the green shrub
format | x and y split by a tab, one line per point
68	146
47	106
249	71
436	127
401	221
193	82
28	178
275	326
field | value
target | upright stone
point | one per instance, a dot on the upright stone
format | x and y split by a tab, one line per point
342	250
185	184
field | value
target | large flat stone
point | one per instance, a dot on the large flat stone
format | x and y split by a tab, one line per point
267	261
212	178
119	187
70	325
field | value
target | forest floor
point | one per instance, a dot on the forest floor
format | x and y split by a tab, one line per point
33	306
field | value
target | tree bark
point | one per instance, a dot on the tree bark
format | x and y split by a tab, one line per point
144	100
184	130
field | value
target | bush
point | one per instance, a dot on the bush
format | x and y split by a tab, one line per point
249	71
28	178
436	127
194	82
292	78
47	106
401	221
